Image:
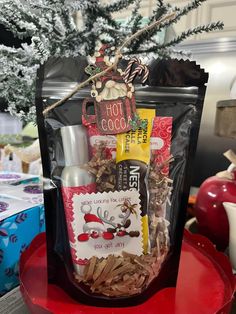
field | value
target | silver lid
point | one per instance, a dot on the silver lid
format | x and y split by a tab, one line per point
75	145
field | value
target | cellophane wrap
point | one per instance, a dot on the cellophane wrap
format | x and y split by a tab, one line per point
119	263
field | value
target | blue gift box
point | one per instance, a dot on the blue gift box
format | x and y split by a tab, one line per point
20	222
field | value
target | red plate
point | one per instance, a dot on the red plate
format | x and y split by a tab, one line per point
205	284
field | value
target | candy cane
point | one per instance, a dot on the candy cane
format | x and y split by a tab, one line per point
137	71
128	69
143	68
146	73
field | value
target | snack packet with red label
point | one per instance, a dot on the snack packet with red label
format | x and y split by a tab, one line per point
161	142
159	183
95	138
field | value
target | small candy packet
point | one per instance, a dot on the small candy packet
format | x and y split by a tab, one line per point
95	139
161	142
132	162
159	182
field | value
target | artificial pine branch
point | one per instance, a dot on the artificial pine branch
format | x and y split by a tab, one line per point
136	48
131	25
160	10
91	15
167	52
194	31
135	10
161	7
136	18
136	24
118	5
51	30
184	11
12	19
118	55
107	16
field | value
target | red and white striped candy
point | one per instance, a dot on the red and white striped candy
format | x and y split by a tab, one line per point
139	70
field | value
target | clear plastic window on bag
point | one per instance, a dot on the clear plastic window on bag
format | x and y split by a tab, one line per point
115	202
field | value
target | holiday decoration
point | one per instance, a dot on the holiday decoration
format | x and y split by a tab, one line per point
210	213
117	56
120	224
20	222
118	197
114	95
50	30
129	75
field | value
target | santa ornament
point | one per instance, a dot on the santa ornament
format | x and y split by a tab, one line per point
92	223
93	226
112	95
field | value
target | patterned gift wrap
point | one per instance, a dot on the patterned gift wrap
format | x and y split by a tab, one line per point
20	222
30	192
7	177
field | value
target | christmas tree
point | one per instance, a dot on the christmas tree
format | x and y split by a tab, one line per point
50	29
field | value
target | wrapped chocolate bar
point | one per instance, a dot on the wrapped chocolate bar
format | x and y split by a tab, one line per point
117	159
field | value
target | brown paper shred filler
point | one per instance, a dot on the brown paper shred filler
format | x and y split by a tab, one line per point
129	274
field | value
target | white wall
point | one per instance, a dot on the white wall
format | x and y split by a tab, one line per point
221	68
210	11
